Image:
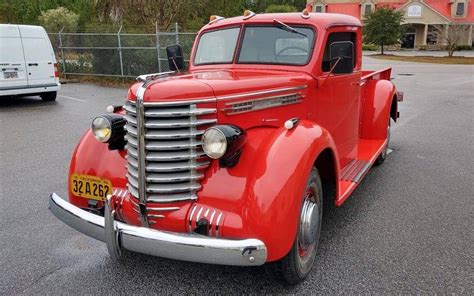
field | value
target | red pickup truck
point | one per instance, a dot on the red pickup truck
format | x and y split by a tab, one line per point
229	160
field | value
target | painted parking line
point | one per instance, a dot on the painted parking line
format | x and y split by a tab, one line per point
71	98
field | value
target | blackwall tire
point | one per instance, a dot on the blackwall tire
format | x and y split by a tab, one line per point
381	158
49	96
297	264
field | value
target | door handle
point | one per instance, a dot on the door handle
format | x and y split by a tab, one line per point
33	64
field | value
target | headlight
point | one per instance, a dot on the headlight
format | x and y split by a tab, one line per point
224	142
102	129
110	128
214	143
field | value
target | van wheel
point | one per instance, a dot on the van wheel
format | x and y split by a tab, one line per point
384	153
49	96
297	264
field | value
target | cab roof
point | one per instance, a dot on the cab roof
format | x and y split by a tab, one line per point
323	20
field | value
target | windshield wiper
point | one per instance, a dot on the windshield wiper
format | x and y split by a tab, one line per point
287	28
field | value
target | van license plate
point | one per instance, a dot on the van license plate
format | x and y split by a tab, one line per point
10	75
91	187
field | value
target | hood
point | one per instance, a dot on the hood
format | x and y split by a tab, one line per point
217	83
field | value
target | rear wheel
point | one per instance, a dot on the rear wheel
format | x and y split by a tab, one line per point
49	96
297	264
384	153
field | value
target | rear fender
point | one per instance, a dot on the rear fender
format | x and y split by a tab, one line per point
379	102
278	178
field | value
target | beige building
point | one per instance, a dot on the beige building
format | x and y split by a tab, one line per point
431	22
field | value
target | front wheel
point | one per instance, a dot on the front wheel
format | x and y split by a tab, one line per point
297	264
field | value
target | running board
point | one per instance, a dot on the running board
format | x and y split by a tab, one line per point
355	170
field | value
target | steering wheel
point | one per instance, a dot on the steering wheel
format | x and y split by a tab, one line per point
291	47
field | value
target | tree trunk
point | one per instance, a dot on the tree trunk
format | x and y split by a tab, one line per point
381	48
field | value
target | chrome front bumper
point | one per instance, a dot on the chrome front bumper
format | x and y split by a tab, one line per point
181	246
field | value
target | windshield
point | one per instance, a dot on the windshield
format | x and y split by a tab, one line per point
217	47
277	44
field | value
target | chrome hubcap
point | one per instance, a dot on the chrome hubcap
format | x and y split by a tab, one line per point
309	227
309	223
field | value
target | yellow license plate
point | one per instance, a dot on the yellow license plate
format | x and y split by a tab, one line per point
90	186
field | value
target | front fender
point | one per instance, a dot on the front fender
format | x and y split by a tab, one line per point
265	189
94	158
275	199
377	103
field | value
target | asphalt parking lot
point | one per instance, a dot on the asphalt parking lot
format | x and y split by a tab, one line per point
407	229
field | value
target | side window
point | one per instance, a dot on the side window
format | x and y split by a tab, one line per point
460	9
336	37
367	9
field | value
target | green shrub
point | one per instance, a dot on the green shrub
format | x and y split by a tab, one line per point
370	47
56	19
280	8
463	47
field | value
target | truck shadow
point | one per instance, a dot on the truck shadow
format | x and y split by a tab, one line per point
28	101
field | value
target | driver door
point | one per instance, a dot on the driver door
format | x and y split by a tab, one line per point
338	100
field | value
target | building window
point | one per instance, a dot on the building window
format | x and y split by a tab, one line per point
367	9
318	8
460	9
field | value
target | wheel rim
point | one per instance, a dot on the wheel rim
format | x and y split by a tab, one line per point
309	228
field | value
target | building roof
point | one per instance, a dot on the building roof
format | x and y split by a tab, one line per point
352	9
442	7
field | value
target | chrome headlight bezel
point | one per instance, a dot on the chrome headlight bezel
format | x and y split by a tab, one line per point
231	139
112	127
214	143
101	128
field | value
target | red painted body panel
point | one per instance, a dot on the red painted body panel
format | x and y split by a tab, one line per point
261	196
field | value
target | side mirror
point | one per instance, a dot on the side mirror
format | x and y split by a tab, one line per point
341	55
175	57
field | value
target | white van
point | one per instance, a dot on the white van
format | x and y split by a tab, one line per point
27	62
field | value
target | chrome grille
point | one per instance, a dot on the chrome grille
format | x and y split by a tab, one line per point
173	149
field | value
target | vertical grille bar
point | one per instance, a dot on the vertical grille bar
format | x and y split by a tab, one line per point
141	151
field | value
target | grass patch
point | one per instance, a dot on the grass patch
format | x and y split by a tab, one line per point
427	59
99	81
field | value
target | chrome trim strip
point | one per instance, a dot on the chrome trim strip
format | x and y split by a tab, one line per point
172	245
264	92
152	76
165	209
259	104
217	224
177	103
199	214
172	198
210	221
141	153
155	216
191	218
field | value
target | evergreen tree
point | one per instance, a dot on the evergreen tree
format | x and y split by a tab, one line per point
384	27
